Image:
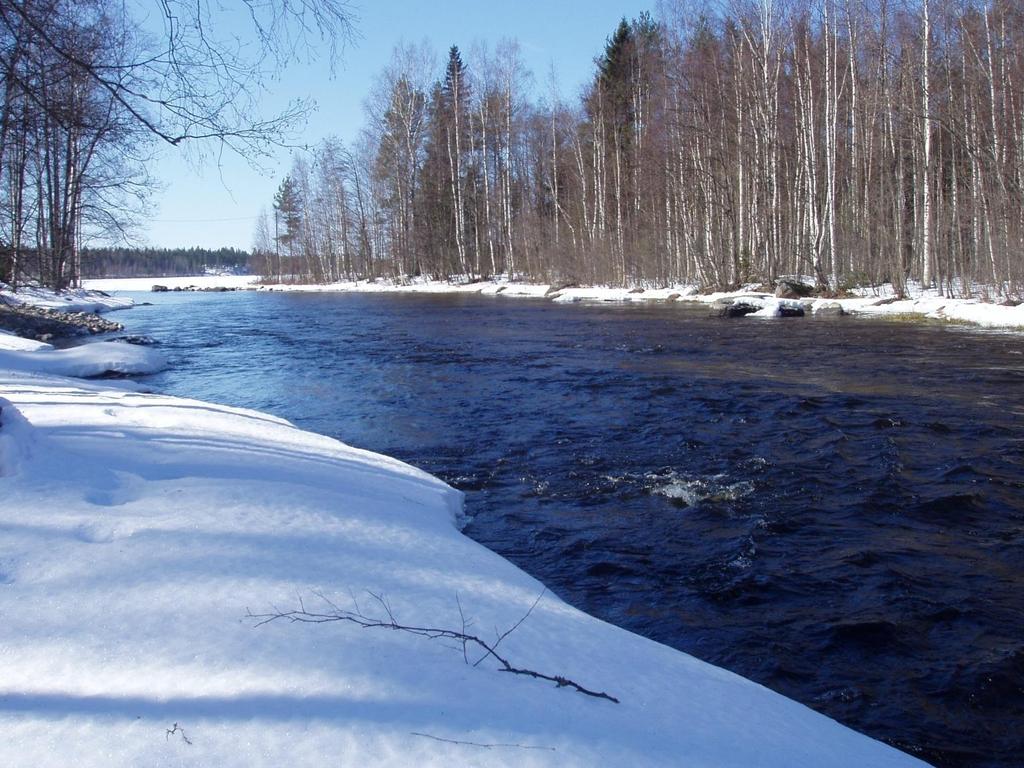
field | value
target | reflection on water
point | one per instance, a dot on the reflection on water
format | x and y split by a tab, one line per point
834	508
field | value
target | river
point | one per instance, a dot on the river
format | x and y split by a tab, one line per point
833	508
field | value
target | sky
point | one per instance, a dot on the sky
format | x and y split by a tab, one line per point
215	203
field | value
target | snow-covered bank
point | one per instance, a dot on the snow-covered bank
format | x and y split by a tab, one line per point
71	300
138	530
934	307
928	304
88	360
43	314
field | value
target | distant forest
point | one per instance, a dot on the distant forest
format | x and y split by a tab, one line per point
159	262
854	141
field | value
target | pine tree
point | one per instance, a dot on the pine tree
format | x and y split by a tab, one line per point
287	223
615	73
435	208
455	92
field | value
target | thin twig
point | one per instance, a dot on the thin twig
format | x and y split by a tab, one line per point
462	616
432	633
515	626
477	744
179	730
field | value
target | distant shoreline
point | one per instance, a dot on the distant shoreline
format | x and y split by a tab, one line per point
872	302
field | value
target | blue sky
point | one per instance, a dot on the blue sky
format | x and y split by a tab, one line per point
216	203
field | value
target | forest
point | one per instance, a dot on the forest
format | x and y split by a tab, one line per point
162	262
853	141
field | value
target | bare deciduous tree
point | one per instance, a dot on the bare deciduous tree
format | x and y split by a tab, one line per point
86	88
853	142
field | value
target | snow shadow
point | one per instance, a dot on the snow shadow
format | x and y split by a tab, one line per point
268	706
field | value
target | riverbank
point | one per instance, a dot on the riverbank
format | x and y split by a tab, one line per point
44	315
880	301
142	530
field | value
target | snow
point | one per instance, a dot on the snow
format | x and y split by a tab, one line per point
521	290
139	529
971	311
71	300
610	294
10	341
96	359
372	286
88	360
983	314
881	302
771	306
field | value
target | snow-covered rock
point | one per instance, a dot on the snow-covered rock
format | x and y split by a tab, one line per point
742	305
774	307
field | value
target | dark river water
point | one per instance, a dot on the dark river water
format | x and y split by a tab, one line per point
833	508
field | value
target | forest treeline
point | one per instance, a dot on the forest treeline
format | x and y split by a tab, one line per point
160	262
852	140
